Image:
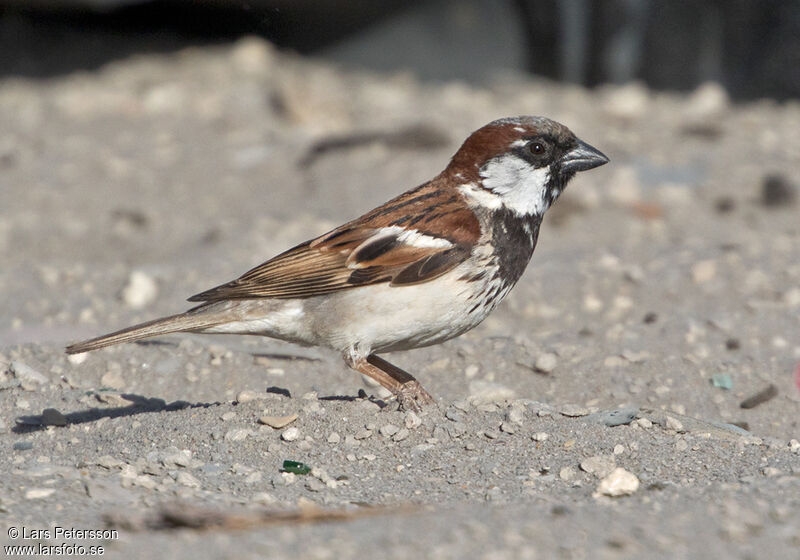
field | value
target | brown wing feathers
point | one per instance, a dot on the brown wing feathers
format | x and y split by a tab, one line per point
361	252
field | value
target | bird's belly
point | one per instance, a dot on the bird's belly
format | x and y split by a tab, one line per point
386	318
377	318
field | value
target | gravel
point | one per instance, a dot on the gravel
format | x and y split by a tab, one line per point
130	188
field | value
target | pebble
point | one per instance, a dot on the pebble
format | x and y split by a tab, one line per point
777	190
722	381
491	434
23	445
364	433
401	434
177	458
573	410
454	415
389	430
253	477
39	493
507	427
681	445
230	415
27	375
674	424
77	359
617	417
704	271
471	371
334	438
140	290
237	434
619	482
113	379
619	449
540	436
290	434
412	420
109	462
456	429
546	362
794	446
644	423
516	413
52	417
278	422
186	479
761	397
567	473
599	465
247	395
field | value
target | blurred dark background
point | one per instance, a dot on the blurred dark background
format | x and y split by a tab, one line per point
751	47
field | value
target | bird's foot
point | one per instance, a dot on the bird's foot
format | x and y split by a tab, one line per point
412	396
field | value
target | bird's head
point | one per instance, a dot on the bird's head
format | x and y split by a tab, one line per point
520	163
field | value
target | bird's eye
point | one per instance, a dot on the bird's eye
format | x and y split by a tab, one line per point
537	148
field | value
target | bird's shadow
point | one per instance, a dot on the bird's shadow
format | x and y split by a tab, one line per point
146	405
139	405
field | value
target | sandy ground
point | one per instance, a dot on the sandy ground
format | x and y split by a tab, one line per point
665	293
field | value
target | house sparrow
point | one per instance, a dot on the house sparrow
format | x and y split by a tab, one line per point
421	269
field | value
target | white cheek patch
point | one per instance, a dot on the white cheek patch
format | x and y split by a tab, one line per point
521	187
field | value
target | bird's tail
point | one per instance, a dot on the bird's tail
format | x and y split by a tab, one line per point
189	321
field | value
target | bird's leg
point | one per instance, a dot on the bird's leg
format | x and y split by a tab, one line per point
404	387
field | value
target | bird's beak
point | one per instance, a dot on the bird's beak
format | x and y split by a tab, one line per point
581	158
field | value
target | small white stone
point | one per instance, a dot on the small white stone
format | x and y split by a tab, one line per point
704	271
540	436
567	473
546	362
246	396
237	434
794	445
113	379
140	290
674	424
592	304
389	430
38	493
24	372
290	434
644	423
186	479
412	420
402	434
792	297
77	359
618	483
334	438
619	449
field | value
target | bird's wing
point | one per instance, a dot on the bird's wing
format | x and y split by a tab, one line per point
351	256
